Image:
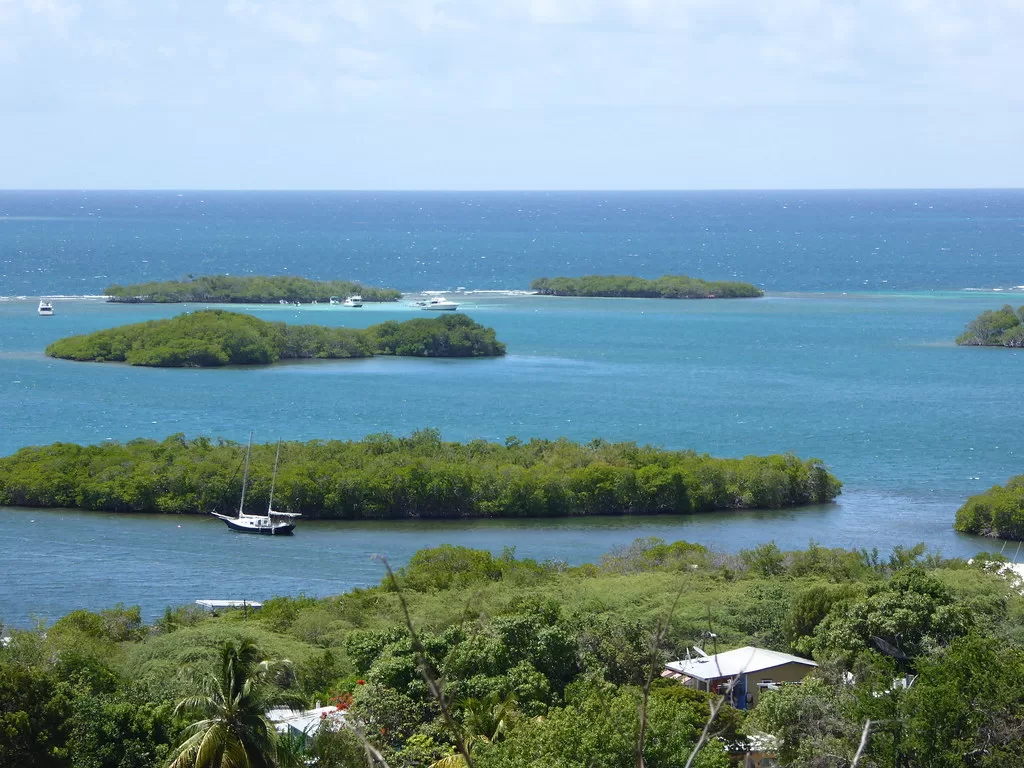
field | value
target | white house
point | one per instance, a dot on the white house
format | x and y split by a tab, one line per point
740	674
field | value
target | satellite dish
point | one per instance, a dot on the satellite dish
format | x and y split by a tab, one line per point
701	652
888	648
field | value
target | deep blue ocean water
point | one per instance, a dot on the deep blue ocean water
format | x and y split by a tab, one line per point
849	358
80	242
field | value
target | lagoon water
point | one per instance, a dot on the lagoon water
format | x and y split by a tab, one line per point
849	358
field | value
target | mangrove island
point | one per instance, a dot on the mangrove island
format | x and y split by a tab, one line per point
625	286
214	337
998	512
995	328
256	289
419	476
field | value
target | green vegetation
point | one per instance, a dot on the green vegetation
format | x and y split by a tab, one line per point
245	290
545	665
998	512
667	287
420	476
214	337
229	727
1000	328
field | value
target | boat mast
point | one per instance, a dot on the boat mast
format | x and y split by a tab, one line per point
273	479
245	476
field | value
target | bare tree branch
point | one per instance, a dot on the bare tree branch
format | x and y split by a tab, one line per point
715	706
373	755
863	744
657	639
430	677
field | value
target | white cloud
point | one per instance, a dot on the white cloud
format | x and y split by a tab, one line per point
452	54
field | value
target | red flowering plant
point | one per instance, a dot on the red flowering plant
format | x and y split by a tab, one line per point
341	701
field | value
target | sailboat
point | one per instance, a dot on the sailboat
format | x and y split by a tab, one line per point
273	523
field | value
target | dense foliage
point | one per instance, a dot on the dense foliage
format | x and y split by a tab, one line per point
214	337
544	665
417	476
998	512
667	287
229	727
995	328
245	290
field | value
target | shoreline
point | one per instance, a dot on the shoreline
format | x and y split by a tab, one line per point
412	295
159	558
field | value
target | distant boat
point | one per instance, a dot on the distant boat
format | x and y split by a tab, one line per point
439	304
45	308
334	300
353	301
273	523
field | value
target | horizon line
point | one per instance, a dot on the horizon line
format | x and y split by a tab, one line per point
482	190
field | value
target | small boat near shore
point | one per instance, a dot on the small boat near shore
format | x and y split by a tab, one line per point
45	308
273	523
438	304
353	301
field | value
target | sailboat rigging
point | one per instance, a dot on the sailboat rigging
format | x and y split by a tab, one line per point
273	523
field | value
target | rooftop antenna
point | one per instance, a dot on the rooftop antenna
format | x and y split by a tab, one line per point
709	635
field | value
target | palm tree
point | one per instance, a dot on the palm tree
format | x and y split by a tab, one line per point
484	721
232	730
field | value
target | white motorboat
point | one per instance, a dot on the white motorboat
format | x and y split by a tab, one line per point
335	301
439	304
353	301
45	308
273	523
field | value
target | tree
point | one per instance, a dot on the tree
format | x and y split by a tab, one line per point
33	718
993	328
597	728
484	721
966	707
232	730
911	615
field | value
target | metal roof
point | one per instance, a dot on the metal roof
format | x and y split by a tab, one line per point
229	603
736	662
306	721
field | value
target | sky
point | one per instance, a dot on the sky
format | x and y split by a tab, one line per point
511	94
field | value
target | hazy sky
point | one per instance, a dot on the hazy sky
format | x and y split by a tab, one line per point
511	94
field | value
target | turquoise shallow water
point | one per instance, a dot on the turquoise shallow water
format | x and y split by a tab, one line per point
850	359
871	383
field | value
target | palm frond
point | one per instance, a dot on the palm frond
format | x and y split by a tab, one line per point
234	731
451	761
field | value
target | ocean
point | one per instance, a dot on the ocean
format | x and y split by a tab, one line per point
848	358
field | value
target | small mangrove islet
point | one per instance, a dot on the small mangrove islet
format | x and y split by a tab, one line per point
215	337
419	476
625	286
995	328
254	289
998	512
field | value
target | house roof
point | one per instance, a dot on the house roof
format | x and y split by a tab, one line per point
214	604
305	721
733	663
